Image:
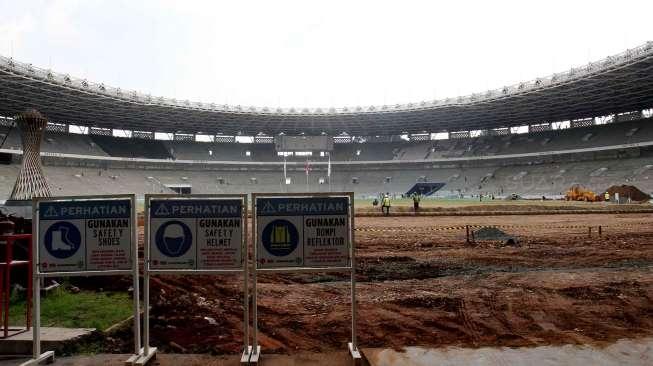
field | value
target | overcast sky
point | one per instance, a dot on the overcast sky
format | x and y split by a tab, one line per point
317	54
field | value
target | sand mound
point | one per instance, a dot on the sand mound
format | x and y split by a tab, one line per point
626	191
490	233
494	234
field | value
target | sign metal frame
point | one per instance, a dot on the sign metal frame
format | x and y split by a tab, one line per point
48	356
149	352
353	345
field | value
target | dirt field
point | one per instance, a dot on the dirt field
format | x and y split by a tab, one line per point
420	284
475	207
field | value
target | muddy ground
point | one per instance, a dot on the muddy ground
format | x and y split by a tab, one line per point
421	284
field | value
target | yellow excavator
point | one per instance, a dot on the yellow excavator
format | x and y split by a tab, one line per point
580	193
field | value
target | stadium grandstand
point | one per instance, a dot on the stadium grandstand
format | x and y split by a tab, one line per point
590	125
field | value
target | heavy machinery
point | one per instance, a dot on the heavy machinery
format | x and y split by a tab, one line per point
580	193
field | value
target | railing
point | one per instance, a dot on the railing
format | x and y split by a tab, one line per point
341	163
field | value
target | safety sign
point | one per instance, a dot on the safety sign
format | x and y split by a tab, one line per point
88	235
302	232
195	233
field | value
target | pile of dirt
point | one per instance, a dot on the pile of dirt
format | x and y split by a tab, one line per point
631	192
196	314
490	233
494	234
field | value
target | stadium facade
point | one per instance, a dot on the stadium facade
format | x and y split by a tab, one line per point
604	107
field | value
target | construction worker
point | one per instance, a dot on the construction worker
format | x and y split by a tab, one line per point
416	198
607	196
385	204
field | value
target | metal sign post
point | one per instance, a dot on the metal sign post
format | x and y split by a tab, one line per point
82	236
304	233
195	234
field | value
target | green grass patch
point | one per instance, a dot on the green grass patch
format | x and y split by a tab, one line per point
466	202
425	202
85	309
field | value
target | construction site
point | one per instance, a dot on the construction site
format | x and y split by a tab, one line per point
436	280
422	284
507	226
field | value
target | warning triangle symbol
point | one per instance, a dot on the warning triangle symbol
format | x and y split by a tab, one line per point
162	210
268	208
51	212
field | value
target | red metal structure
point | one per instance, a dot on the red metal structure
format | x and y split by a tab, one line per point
9	241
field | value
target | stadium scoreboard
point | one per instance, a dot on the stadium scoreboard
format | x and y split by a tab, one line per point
303	143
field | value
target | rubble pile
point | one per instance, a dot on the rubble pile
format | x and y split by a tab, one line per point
494	234
626	191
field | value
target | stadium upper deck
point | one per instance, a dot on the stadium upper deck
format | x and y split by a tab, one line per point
616	84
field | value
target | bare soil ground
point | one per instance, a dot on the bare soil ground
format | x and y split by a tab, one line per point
500	207
420	284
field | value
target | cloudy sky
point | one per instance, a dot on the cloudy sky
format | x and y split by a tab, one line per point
317	54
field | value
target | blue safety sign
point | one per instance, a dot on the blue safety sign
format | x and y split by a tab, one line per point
62	239
195	208
303	231
173	238
85	235
202	233
92	209
291	206
280	238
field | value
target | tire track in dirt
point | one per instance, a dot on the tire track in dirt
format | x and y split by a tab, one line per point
468	322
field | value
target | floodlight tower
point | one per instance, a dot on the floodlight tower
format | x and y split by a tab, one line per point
31	181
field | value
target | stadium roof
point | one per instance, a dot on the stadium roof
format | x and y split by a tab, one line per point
616	84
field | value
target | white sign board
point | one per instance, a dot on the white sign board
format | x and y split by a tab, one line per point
85	235
302	232
195	234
